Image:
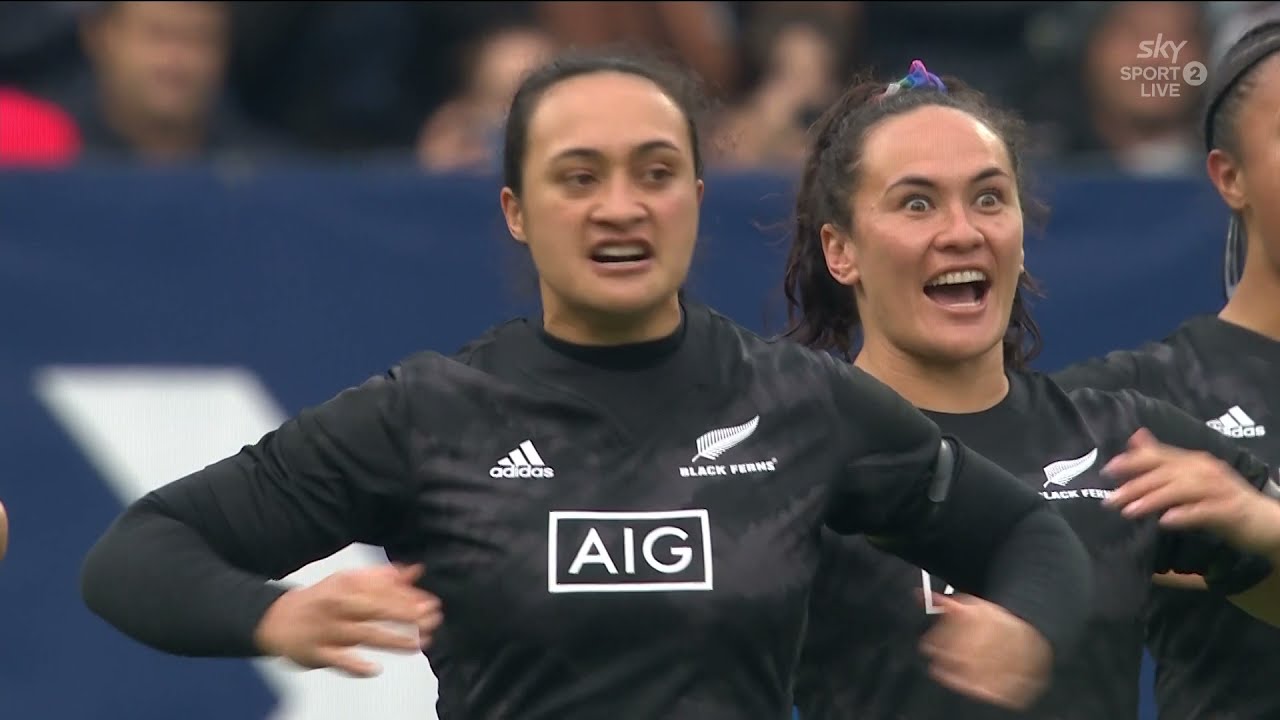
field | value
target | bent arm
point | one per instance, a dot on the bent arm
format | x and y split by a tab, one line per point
1245	573
187	569
1262	601
945	508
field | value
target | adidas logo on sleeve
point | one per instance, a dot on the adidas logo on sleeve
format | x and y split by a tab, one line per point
523	462
1236	423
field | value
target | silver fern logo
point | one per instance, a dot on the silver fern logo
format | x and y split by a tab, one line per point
715	443
1061	473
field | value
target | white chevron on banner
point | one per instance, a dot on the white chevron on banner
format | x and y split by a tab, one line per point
144	426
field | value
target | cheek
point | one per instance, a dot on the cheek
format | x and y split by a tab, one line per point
551	228
676	213
888	264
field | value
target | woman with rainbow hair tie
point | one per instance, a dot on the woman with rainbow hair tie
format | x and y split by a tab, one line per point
909	237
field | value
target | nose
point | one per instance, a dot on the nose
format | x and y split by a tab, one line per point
959	233
620	204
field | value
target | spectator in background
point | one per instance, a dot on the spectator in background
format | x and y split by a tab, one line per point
1231	20
35	133
466	132
159	72
700	34
1130	129
801	58
39	50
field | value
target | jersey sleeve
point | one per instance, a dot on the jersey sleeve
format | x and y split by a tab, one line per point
187	568
1225	569
894	449
1118	370
940	506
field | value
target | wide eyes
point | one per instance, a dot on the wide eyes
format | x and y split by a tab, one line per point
989	199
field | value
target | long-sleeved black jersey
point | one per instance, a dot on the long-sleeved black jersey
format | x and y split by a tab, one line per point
1213	660
614	532
1056	442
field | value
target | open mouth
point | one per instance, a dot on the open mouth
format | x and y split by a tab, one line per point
621	253
959	289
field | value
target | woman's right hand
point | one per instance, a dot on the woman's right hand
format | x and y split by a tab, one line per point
321	625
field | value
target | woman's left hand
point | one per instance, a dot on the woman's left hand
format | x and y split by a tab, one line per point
1193	491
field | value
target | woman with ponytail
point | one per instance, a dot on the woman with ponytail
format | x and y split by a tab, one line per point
907	260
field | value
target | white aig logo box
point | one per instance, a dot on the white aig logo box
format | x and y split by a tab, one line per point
629	551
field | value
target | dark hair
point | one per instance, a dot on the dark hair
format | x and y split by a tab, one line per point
828	311
682	86
1234	83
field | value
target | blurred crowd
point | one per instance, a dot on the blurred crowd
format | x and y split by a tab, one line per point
428	82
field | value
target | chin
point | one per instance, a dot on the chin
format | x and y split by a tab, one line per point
960	346
628	301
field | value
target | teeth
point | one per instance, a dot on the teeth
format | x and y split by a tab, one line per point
958	277
622	251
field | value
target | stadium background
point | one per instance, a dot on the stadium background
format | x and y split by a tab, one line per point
169	294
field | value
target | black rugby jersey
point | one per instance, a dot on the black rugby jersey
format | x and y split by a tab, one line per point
613	532
860	660
1213	660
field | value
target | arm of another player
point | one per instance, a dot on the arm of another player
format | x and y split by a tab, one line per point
187	569
1220	505
1117	370
944	508
4	532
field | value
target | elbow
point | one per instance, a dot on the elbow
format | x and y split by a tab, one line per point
96	575
1262	601
104	581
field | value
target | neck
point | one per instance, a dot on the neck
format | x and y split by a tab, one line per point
601	328
965	387
152	138
1255	305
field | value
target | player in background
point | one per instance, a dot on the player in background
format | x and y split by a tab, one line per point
617	504
910	221
1212	659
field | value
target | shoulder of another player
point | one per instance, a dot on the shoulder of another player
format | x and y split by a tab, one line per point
1150	368
1126	407
779	356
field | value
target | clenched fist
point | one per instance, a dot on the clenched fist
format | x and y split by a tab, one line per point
319	626
983	651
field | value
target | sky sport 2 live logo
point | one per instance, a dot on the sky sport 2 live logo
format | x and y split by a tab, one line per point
1165	76
626	552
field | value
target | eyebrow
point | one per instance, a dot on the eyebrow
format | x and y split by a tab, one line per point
593	154
921	181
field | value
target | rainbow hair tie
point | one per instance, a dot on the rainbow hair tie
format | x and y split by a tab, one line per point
918	76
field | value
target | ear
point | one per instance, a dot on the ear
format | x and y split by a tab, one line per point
841	255
513	213
1229	178
701	187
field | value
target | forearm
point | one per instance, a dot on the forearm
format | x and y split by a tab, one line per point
1263	599
1044	575
987	533
156	580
